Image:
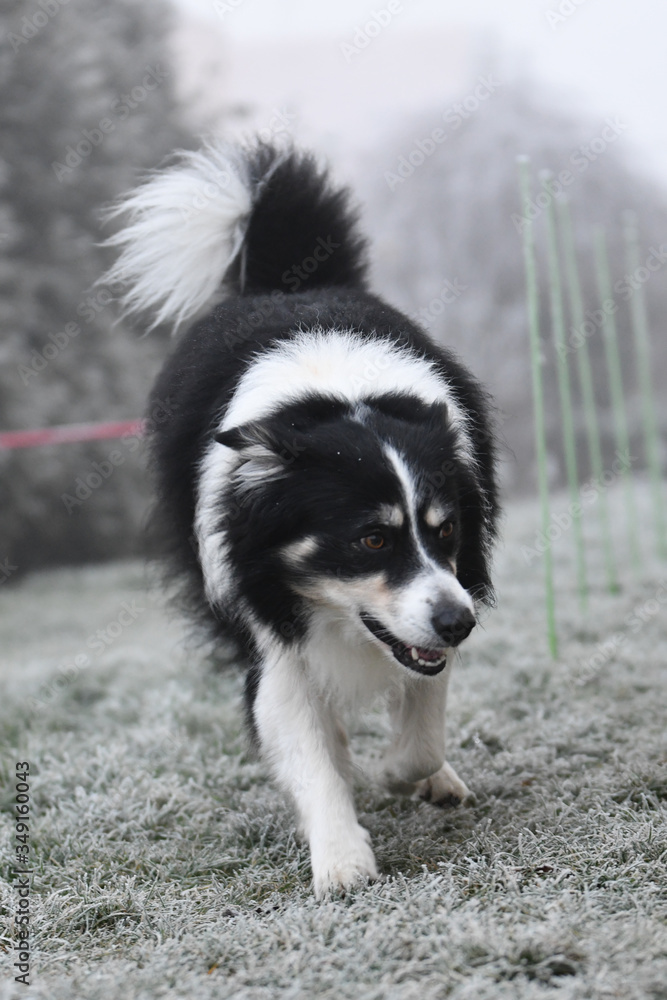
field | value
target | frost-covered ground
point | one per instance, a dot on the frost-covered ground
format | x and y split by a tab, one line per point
166	863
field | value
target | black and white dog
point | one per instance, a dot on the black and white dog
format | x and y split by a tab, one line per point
325	477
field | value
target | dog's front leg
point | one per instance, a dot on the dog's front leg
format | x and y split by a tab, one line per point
304	745
415	761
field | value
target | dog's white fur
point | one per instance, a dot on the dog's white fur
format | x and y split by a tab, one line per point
298	709
304	693
338	363
186	227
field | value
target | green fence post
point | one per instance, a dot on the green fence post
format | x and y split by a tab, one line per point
616	391
532	302
565	391
585	375
643	354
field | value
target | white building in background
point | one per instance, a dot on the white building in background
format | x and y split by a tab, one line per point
340	94
349	69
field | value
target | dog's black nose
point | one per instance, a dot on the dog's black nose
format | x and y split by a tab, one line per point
452	623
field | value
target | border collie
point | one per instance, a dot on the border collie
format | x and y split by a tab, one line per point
325	478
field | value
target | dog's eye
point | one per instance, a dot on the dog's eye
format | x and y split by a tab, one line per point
375	541
446	529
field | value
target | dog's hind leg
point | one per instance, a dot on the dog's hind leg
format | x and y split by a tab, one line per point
415	761
302	742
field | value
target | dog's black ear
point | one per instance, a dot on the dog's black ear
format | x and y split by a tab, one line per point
285	439
266	449
263	453
287	432
230	438
245	436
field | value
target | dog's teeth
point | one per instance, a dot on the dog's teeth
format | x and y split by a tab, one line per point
415	654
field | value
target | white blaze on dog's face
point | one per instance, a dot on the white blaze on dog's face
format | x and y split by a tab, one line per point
399	585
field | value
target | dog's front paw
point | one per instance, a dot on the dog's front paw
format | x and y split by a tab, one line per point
444	788
341	861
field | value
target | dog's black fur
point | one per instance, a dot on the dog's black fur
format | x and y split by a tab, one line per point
287	535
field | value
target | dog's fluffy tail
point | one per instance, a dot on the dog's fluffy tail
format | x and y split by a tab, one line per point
225	221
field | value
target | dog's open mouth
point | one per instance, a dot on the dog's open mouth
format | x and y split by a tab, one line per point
424	661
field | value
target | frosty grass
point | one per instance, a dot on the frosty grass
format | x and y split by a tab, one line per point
167	864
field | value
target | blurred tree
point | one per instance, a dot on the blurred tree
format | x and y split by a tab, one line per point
87	104
446	219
